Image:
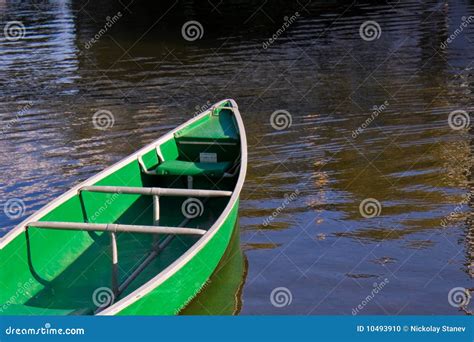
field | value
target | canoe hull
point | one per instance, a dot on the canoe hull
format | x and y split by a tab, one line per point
169	297
66	272
222	294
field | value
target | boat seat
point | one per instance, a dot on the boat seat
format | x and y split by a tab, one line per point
25	310
186	168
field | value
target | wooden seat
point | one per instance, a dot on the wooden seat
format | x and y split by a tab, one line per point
186	168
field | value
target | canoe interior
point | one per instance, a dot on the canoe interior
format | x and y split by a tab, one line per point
55	272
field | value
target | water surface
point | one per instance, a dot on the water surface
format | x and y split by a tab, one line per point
309	177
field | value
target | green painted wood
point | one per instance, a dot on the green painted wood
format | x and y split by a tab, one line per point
179	167
219	127
222	294
56	272
171	296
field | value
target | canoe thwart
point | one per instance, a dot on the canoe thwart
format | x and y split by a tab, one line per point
158	246
157	191
116	228
115	265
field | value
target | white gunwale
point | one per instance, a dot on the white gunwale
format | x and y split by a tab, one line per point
190	253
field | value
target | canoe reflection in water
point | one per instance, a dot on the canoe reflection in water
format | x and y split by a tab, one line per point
222	295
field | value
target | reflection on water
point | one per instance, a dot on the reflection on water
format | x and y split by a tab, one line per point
319	70
222	295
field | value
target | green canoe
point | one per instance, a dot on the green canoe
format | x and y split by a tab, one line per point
140	238
223	290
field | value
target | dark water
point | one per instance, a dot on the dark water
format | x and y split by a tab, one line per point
310	177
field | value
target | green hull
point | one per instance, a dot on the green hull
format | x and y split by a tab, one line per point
66	272
222	294
165	299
